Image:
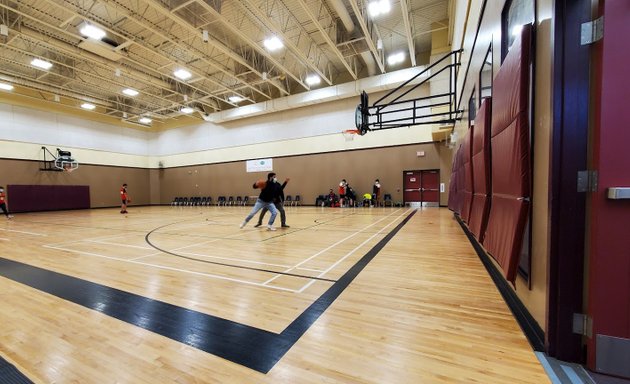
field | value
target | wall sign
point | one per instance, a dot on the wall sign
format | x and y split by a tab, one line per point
259	165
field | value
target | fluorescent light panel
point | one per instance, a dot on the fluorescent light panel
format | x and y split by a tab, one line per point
235	99
6	87
273	43
379	7
130	92
88	106
313	80
92	31
144	120
43	64
396	58
182	74
186	110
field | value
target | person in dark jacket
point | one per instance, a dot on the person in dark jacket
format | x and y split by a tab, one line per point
265	200
278	201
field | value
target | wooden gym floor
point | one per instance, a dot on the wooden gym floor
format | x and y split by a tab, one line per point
182	295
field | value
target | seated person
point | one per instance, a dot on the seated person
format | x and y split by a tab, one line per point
367	199
331	199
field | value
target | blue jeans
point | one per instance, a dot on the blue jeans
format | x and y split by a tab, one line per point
260	205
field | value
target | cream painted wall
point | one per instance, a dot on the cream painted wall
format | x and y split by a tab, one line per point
534	296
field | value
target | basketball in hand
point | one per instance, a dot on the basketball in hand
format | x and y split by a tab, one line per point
260	184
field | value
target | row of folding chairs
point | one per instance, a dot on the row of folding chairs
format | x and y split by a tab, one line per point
192	201
230	200
292	201
223	200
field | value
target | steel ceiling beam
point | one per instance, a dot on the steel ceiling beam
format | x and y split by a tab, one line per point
328	39
408	31
363	23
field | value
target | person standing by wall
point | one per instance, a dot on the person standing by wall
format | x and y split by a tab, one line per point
3	203
342	192
376	193
278	201
124	197
265	199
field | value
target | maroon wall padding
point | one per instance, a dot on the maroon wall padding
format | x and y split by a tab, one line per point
462	180
31	198
467	193
452	188
481	171
510	157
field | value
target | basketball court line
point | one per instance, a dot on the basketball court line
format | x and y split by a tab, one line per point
330	268
3	239
28	233
239	343
170	268
331	246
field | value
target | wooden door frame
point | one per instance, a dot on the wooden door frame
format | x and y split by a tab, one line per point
567	206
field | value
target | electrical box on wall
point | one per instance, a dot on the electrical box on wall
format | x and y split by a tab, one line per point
420	153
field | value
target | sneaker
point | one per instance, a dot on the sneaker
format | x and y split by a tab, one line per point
257	225
270	228
10	217
242	225
285	226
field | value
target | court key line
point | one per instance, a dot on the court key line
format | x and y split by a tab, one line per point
331	246
350	253
28	233
252	347
167	268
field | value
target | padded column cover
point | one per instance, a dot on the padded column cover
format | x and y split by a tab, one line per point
510	157
467	193
481	171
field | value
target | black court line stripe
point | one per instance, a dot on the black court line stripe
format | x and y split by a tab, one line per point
251	347
11	375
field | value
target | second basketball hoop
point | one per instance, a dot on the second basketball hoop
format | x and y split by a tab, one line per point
350	134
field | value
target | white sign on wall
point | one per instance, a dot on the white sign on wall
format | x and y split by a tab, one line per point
259	165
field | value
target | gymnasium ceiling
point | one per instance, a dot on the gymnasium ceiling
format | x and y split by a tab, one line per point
148	40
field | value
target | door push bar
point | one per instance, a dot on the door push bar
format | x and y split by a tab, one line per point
619	193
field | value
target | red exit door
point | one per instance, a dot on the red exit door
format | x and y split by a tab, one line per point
422	187
608	344
412	184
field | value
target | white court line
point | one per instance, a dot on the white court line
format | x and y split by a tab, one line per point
84	240
171	268
348	254
118	244
330	247
28	233
246	261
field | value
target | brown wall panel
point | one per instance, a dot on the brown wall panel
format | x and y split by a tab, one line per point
104	181
311	175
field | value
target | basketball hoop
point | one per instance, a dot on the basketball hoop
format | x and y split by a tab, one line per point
350	134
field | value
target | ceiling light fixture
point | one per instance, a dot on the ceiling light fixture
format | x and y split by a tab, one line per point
6	87
182	74
43	64
379	7
88	106
204	36
130	92
144	120
313	80
92	31
273	43
187	110
235	99
396	58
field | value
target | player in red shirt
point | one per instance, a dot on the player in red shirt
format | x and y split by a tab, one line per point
3	204
125	198
342	192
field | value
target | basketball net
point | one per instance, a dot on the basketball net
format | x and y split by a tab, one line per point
350	134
